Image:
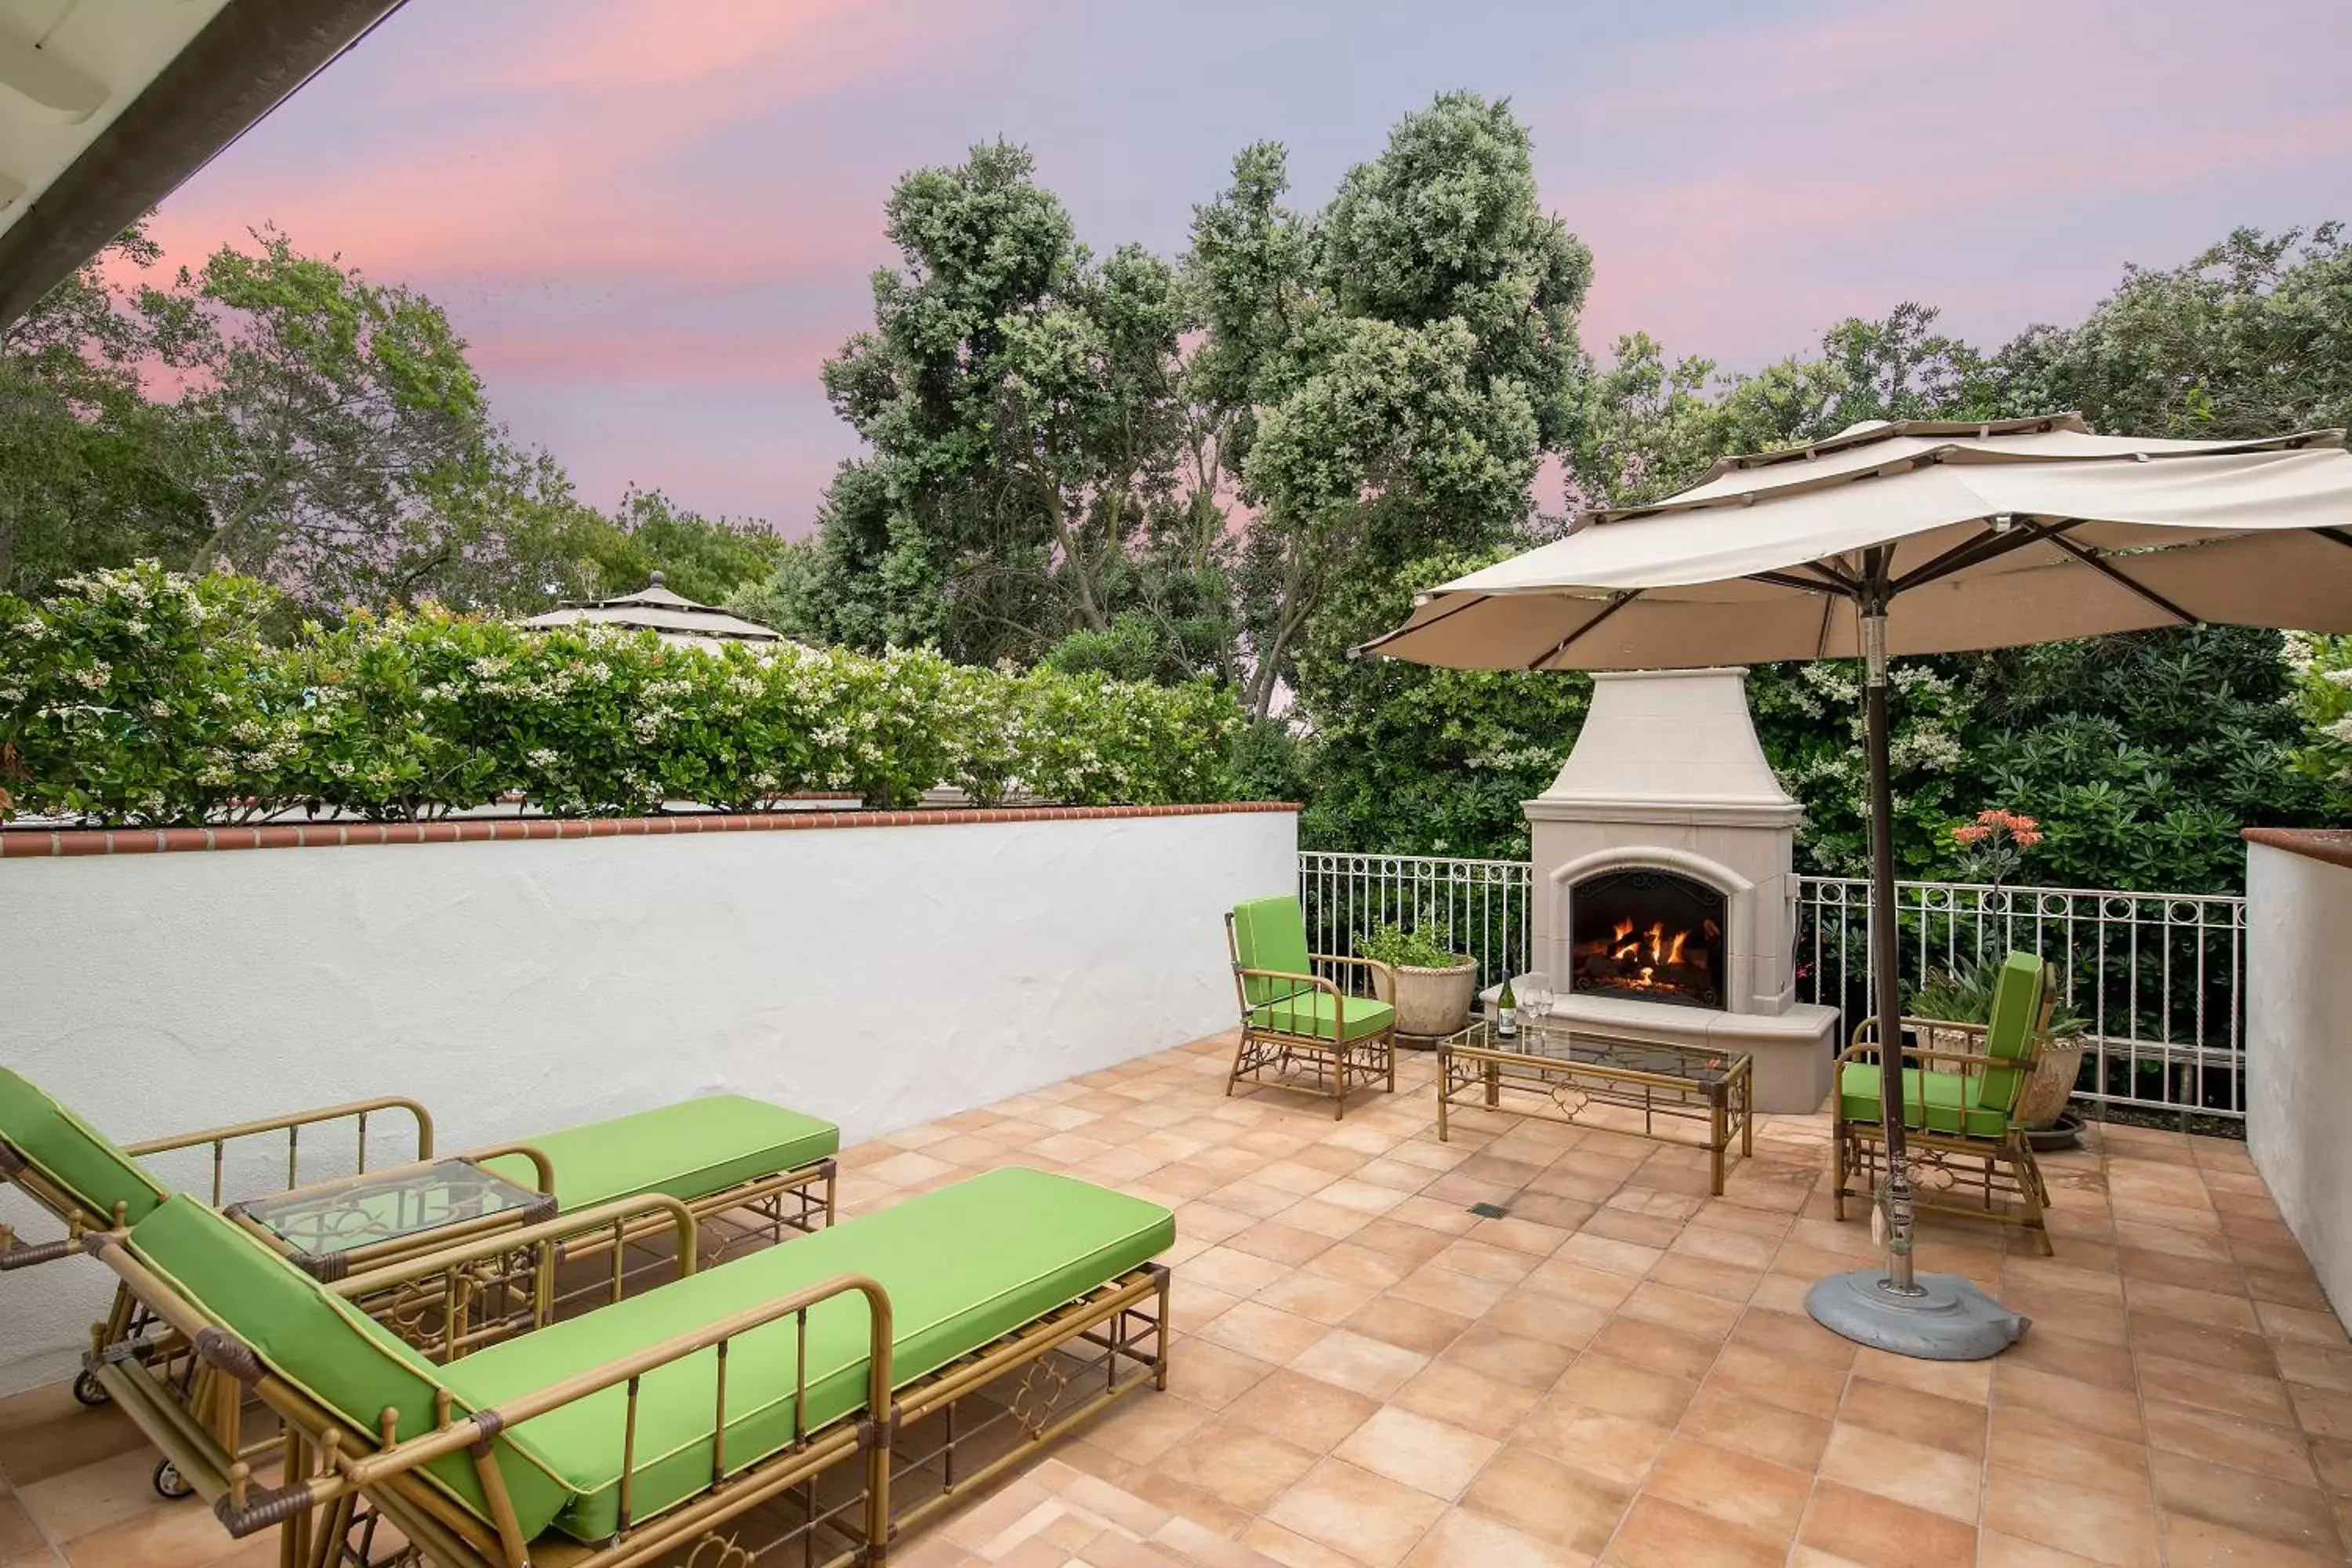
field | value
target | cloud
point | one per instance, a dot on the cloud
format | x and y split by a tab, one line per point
1769	176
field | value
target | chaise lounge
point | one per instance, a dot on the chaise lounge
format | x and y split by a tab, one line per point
583	1200
822	1396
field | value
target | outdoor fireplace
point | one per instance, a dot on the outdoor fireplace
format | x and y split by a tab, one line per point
1649	934
1665	889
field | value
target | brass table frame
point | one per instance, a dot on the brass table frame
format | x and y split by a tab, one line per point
1475	1073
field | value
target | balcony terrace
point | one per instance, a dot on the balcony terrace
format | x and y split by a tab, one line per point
1619	1371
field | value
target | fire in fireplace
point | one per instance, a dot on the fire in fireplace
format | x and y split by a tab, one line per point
1649	934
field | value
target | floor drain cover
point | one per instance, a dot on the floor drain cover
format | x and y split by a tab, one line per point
1489	1211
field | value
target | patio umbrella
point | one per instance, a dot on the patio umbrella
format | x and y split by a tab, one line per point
1914	537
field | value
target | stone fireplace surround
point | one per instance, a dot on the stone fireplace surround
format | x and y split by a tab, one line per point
1667	774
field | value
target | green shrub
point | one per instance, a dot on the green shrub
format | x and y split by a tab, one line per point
137	697
1426	946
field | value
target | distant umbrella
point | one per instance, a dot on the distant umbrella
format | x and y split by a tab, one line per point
656	609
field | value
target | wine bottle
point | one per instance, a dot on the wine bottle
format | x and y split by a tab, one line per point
1506	1013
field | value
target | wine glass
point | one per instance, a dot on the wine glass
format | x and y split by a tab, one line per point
1533	990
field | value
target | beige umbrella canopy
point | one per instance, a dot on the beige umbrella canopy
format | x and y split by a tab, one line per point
1979	535
653	608
1917	538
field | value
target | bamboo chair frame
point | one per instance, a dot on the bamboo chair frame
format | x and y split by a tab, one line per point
1333	1060
197	1418
341	1481
2000	1172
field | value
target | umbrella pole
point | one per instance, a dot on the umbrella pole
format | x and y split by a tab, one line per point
1935	1317
1884	954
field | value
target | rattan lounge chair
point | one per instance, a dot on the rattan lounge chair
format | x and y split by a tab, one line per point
1294	1018
820	1396
1959	1110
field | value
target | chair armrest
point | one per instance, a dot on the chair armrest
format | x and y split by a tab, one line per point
1338	997
291	1124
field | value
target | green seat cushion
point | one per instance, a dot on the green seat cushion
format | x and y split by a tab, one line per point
686	1150
1310	1012
315	1339
1270	934
1953	1102
963	1266
72	1154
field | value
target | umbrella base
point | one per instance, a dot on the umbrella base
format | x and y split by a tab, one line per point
1949	1320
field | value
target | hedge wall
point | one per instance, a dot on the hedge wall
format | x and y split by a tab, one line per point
140	698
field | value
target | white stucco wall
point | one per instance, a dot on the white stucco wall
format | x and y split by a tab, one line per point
877	976
2299	1051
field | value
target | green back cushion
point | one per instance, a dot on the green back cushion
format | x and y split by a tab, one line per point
1271	934
687	1150
317	1341
2016	1001
963	1264
73	1155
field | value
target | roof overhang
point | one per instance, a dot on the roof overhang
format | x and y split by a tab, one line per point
106	110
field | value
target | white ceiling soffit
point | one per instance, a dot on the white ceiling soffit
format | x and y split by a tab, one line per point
67	68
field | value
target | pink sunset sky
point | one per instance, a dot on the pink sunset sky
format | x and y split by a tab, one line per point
652	220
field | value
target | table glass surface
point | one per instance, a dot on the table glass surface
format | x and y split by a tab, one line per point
388	1206
1554	1040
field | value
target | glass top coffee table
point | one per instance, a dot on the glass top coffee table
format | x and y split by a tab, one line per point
1556	1071
341	1228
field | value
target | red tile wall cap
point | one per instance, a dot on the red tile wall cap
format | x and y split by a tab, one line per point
2333	845
17	844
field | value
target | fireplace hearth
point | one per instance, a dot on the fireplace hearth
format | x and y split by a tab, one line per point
1648	934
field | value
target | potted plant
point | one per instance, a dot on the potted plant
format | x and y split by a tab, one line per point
1964	995
1415	972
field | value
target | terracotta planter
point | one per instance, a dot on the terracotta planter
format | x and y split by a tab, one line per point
2054	1071
1428	1002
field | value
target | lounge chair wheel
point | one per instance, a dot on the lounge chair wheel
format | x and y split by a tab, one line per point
170	1485
90	1392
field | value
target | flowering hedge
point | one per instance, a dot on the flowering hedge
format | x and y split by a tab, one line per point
141	697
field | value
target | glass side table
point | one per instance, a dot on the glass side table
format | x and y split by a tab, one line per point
342	1228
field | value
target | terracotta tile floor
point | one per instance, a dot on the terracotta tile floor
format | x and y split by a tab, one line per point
1621	1372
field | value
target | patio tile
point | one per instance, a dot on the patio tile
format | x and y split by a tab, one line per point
1936	1480
1532	1315
2193	1542
1733	1421
1332	1301
2054	1509
1407	1323
1620	1388
1306	1411
1235	1463
1879	1532
1255	1328
1427	1455
1370	1518
1549	1500
2203	1344
1801	1386
1618	1449
1464	1538
1206	1373
1738	1489
1658	1533
1353	1361
1658	1348
1510	1358
2243	1395
1470	1399
1689	1312
2258	1505
2280	1452
1957	1426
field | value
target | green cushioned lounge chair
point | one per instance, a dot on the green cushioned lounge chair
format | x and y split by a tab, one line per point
719	1154
843	1386
1297	1022
1959	1108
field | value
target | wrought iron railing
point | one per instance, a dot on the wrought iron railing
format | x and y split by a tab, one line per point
2160	977
1480	905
